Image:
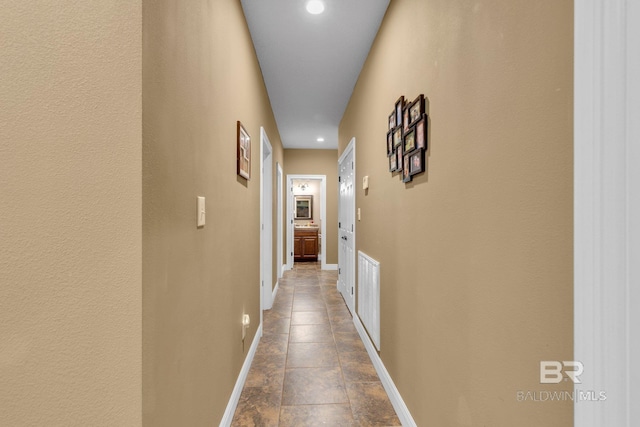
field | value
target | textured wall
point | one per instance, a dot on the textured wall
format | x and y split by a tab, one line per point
70	217
201	75
476	254
319	162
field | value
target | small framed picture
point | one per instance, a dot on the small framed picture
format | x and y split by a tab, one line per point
405	120
399	108
399	158
393	162
389	143
410	141
421	132
416	162
392	120
244	152
397	137
406	173
416	109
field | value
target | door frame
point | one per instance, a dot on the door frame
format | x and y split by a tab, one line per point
350	147
323	216
266	223
279	221
607	209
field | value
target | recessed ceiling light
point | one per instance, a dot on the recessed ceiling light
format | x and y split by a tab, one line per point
321	139
315	7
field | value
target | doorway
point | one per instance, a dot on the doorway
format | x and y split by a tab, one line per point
266	223
346	225
279	220
292	191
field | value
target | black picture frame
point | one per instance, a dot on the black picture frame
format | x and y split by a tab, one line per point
399	108
393	162
389	143
405	120
410	141
416	110
416	162
406	173
392	120
397	137
421	129
399	157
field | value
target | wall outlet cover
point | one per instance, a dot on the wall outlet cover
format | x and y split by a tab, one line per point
200	211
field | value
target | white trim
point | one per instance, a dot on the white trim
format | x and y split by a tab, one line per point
266	223
331	267
606	209
284	268
227	417
350	146
279	218
323	215
394	395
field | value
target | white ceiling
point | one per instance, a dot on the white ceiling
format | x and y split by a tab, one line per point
310	63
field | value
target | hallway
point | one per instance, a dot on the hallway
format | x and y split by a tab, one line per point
311	367
138	139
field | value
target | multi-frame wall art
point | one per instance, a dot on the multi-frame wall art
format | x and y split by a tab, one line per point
407	138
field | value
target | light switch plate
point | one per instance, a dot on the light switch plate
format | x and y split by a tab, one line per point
201	212
365	182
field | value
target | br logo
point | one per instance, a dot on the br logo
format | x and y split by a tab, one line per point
551	371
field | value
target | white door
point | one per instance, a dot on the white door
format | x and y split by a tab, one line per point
346	226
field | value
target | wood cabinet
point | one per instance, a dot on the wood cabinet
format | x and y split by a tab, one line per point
305	244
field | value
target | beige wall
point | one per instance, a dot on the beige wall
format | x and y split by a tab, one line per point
200	76
319	162
476	254
70	217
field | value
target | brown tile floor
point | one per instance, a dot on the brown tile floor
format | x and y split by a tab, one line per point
311	368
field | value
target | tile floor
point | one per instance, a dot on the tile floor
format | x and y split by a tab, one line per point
311	368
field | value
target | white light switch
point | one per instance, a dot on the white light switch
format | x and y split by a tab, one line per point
201	212
358	214
246	321
365	182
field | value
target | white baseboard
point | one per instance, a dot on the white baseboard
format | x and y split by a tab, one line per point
394	395
330	266
242	377
275	292
284	268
